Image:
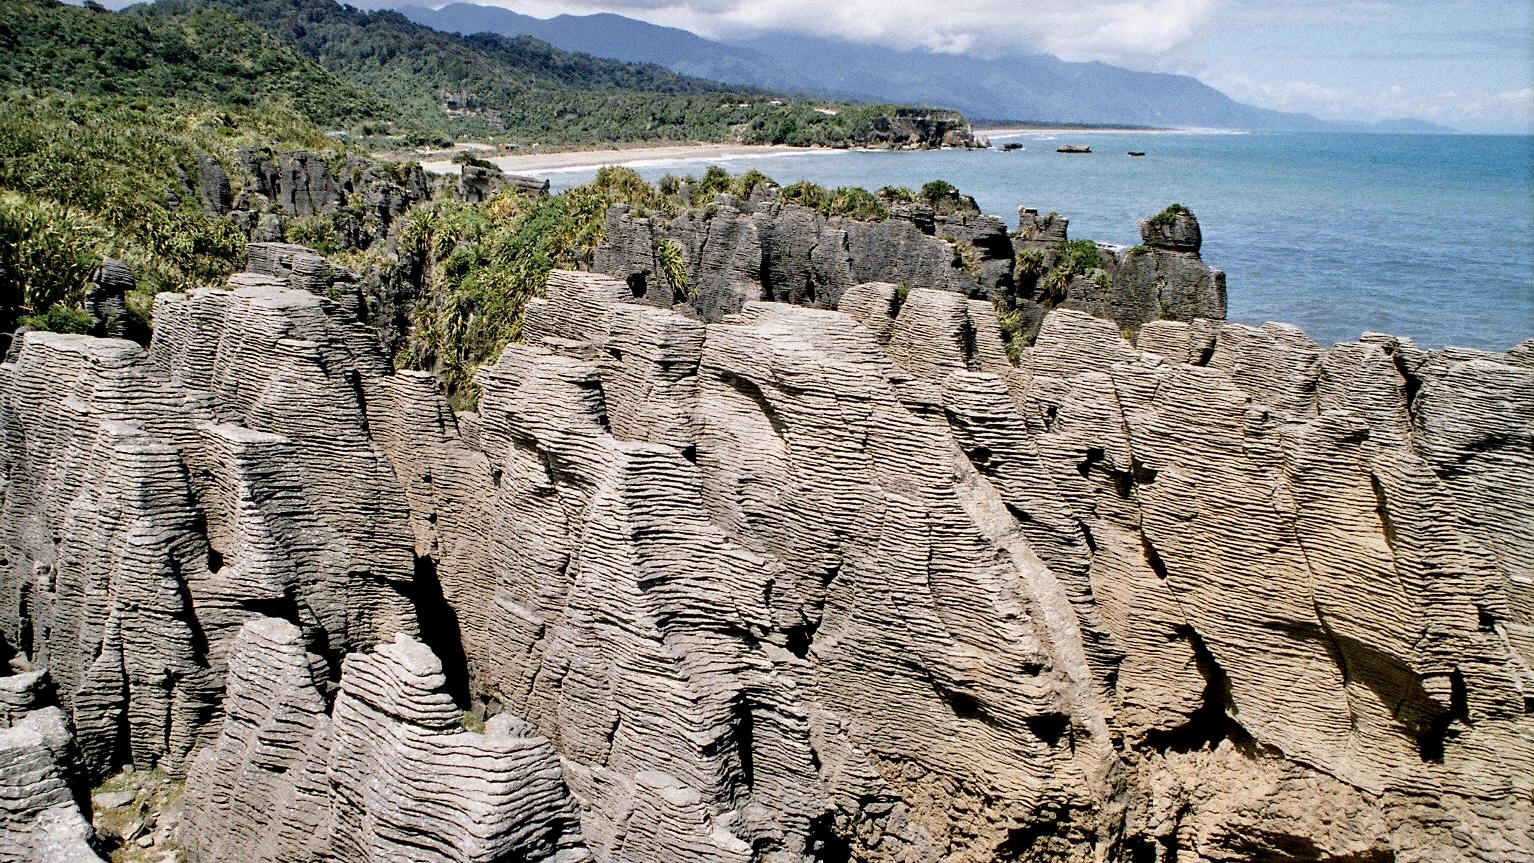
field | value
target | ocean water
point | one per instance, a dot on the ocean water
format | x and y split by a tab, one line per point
1425	236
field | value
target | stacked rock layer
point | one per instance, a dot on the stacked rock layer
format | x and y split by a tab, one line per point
794	584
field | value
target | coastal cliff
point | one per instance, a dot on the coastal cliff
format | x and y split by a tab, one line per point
732	579
739	249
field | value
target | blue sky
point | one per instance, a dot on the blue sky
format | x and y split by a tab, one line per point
1464	63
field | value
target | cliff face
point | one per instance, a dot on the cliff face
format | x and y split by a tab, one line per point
41	789
1163	278
737	250
790	583
389	771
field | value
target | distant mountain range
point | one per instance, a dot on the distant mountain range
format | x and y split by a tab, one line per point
1026	88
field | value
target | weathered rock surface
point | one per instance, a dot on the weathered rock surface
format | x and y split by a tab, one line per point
42	794
480	183
358	198
1005	597
787	583
1173	230
154	502
738	251
1163	279
389	775
106	300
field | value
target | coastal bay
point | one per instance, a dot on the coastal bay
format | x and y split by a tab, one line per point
1424	236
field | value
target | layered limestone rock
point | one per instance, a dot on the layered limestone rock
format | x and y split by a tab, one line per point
786	583
1107	602
154	502
355	199
738	251
42	794
308	183
106	300
389	774
1286	482
1162	279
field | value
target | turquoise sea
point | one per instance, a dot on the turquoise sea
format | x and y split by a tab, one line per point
1426	236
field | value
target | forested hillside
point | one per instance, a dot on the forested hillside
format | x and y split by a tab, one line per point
523	90
195	54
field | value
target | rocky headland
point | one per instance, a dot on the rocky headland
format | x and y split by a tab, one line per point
911	539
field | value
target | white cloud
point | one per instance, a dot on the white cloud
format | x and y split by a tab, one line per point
1471	111
1346	53
1125	31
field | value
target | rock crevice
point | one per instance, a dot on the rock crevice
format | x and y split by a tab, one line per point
783	583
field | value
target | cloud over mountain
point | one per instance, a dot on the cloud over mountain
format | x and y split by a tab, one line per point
1117	30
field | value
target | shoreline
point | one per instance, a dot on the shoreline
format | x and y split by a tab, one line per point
1020	131
538	164
582	160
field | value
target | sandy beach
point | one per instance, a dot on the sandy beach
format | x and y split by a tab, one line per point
536	164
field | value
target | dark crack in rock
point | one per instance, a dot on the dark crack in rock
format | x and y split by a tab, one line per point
827	580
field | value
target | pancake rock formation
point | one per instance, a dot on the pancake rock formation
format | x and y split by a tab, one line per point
737	250
389	775
781	583
41	788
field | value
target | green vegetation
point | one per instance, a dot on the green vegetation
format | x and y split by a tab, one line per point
896	195
387	81
745	185
1072	258
90	177
101	126
189	53
1010	322
848	202
965	256
59	319
673	265
937	190
1029	265
48	251
108	120
471	723
805	194
484	262
854	203
1169	215
1077	255
317	232
443	86
1132	251
715	181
